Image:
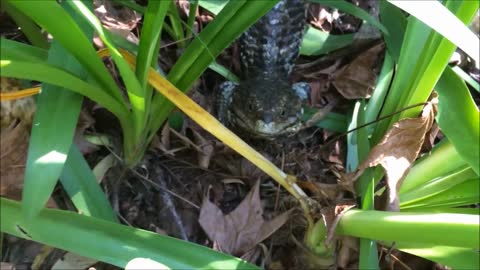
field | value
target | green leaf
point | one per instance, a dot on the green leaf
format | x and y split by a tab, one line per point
177	29
458	117
52	133
444	22
457	230
316	42
28	27
437	185
465	193
443	160
333	121
113	243
136	94
48	14
375	102
395	21
214	6
21	51
59	77
454	257
149	45
82	187
227	74
353	10
150	39
357	150
423	58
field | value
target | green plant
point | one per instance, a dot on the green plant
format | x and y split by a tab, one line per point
72	64
437	183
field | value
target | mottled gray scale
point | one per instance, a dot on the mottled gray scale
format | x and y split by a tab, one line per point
272	44
265	104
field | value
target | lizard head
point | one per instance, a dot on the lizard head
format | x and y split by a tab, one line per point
266	108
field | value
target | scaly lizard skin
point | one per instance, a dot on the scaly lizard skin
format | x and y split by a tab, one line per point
266	104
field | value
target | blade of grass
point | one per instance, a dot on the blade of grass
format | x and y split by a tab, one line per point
442	160
149	39
177	28
380	92
227	74
358	149
149	45
22	51
52	132
191	18
47	14
28	27
316	42
114	243
394	20
55	76
82	187
444	22
135	93
437	185
465	193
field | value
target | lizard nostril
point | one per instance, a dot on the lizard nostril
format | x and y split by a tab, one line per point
267	118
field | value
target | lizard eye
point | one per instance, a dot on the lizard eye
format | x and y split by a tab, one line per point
251	107
283	113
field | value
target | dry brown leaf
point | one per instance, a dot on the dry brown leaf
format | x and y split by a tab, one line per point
347	251
14	146
16	122
207	147
396	152
7	266
13	149
242	229
118	19
357	79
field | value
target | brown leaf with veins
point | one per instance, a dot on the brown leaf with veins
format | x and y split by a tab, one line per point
357	79
396	152
242	229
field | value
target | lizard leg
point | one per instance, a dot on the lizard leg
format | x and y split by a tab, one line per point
224	99
302	89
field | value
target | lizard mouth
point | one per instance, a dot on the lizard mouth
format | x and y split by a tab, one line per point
260	129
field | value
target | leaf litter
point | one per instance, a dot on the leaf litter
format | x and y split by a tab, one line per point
239	231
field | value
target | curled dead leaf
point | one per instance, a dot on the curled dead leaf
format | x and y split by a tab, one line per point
397	151
357	79
241	230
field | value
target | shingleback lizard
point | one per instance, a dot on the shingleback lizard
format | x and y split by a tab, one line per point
266	104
